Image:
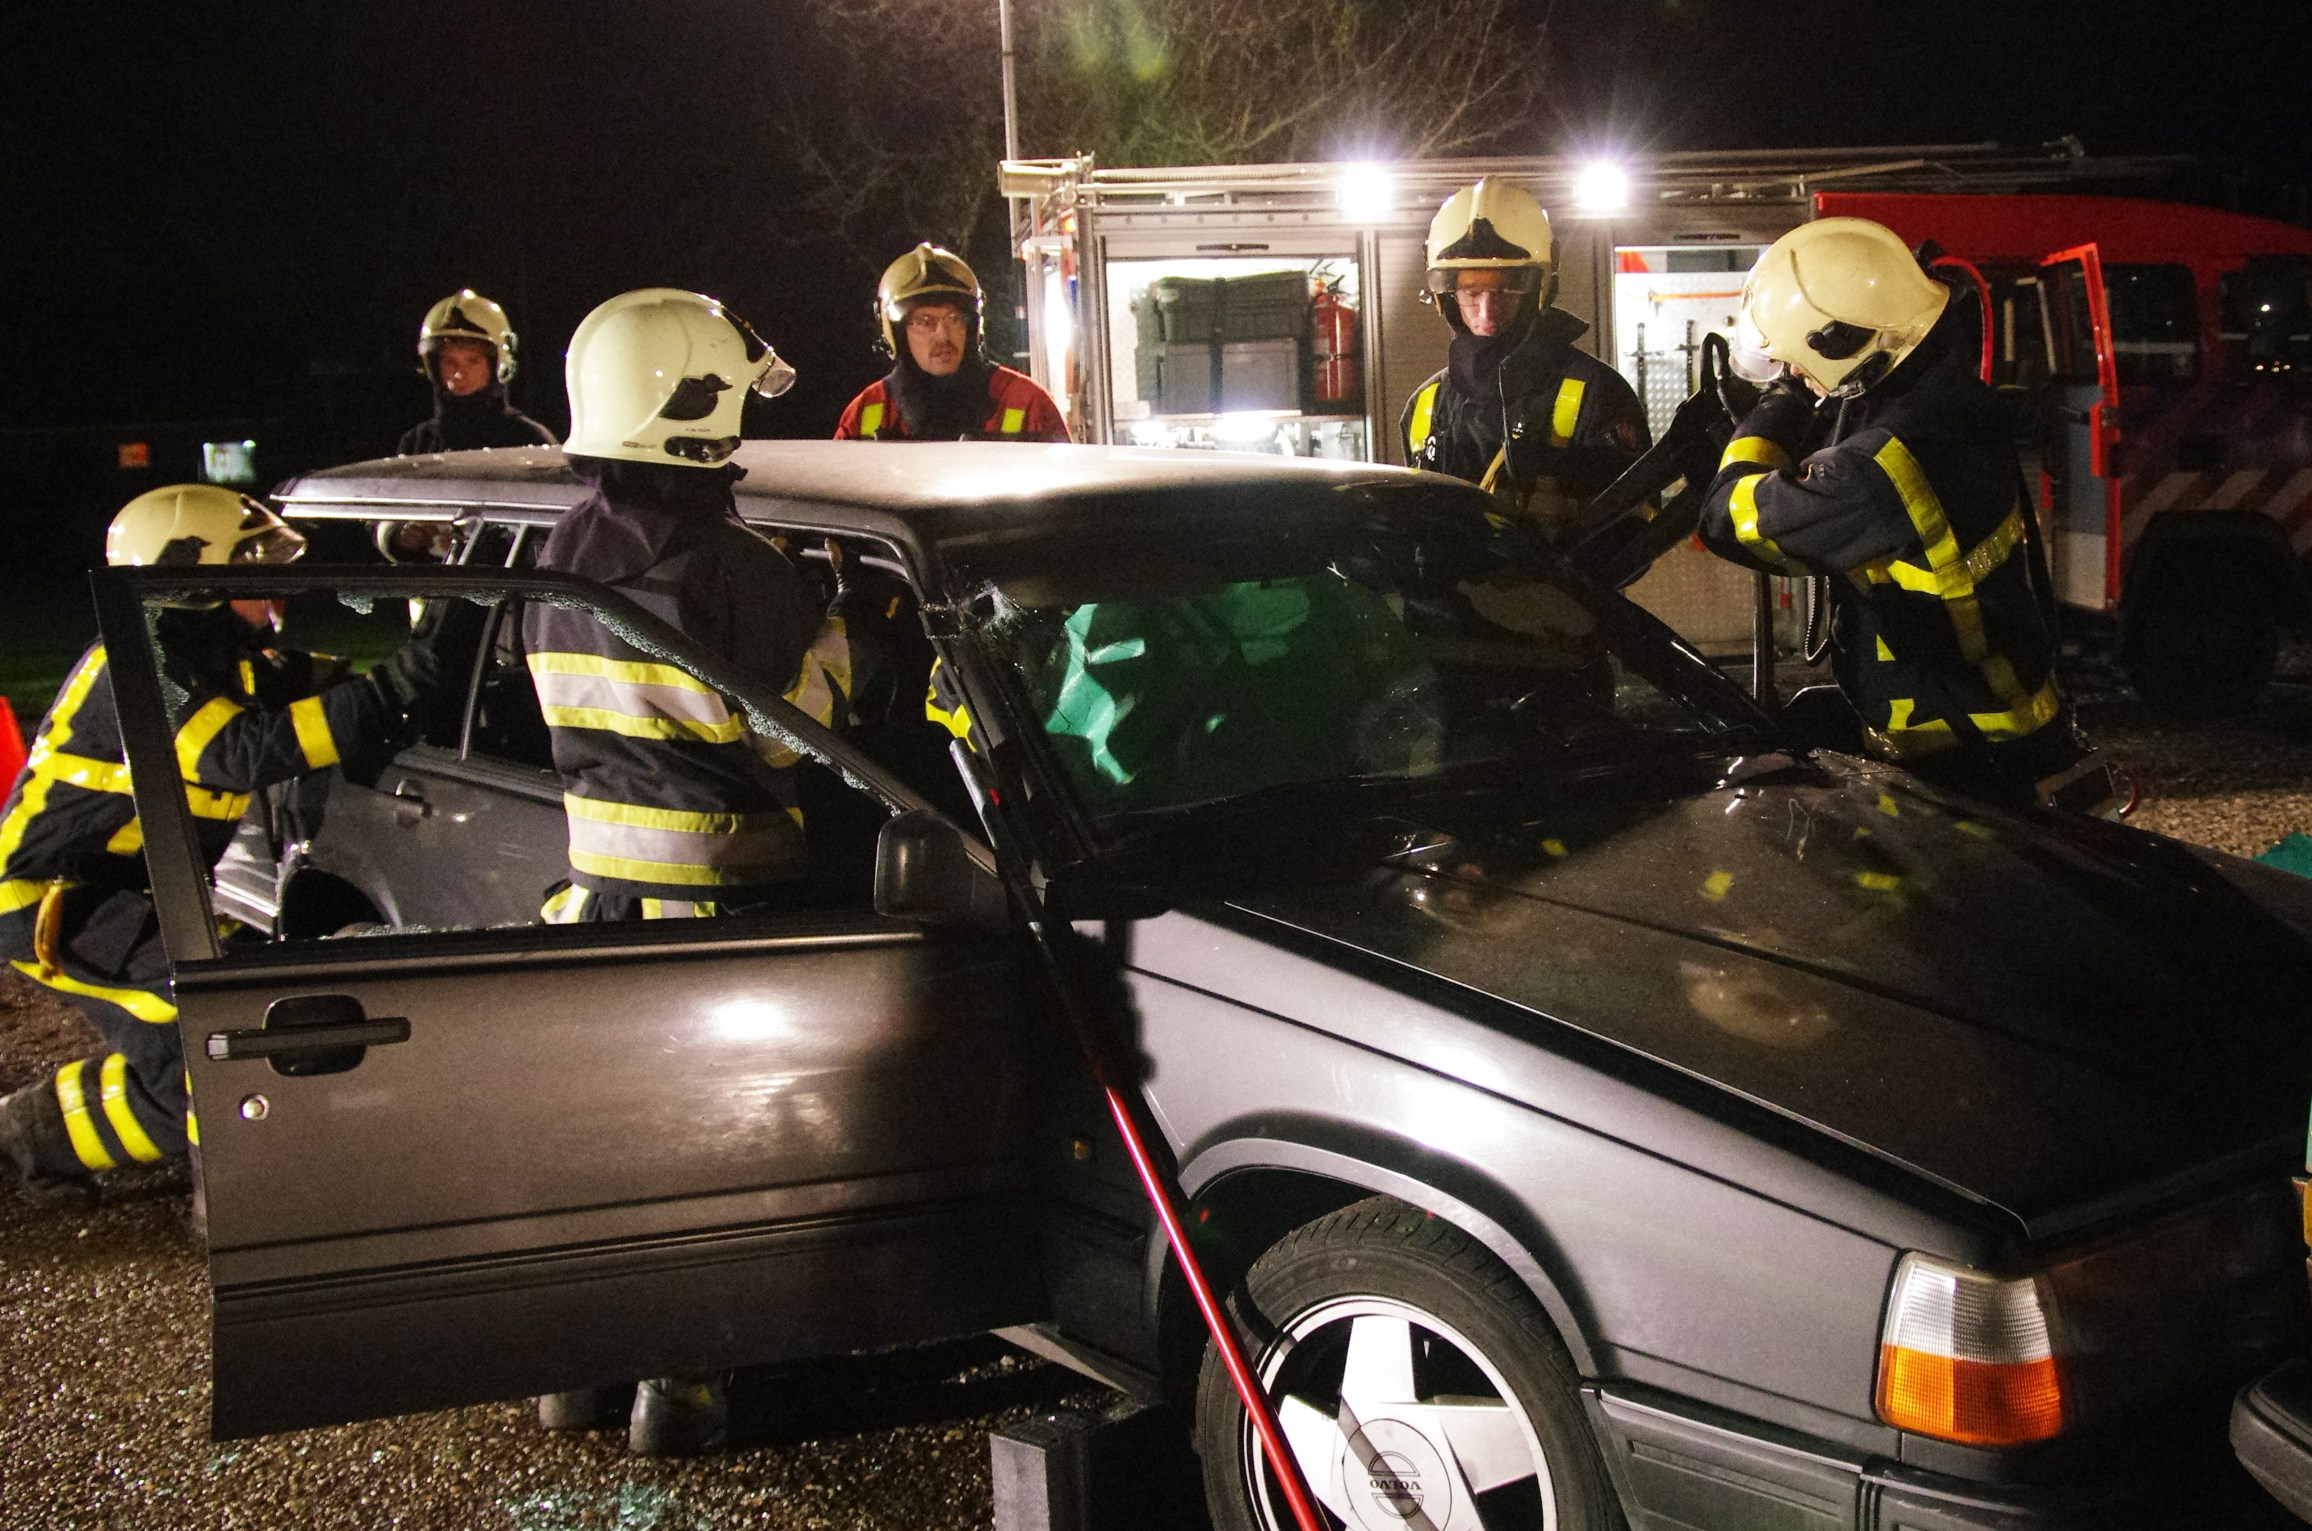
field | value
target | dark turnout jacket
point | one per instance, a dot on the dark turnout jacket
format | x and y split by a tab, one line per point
250	716
666	790
461	423
1915	516
1562	424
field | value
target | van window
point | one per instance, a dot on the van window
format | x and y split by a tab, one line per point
2154	323
2267	315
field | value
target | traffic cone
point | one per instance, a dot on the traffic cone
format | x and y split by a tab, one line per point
11	744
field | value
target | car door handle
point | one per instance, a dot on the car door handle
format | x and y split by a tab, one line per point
310	1034
235	1046
409	804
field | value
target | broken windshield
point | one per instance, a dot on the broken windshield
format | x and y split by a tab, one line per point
1370	636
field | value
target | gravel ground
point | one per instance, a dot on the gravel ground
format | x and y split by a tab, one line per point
104	1388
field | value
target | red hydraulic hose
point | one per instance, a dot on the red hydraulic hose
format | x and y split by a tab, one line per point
1154	1182
1982	305
1281	1460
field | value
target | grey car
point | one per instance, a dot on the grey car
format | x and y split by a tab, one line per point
1602	1107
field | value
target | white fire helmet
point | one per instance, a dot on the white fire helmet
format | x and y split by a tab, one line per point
660	375
186	524
1491	226
467	315
1840	301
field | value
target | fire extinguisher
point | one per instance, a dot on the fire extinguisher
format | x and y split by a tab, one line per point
1339	383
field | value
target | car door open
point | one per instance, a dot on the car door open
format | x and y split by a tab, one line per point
443	1166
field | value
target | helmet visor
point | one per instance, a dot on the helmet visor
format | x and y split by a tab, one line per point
1443	281
265	538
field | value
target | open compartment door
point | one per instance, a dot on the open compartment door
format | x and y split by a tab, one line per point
2082	426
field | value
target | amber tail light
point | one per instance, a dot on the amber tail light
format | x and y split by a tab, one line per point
1966	1357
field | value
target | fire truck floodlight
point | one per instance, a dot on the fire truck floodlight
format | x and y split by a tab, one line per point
1365	192
1601	186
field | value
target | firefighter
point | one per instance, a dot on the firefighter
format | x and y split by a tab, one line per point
76	913
1541	425
1913	512
674	808
466	349
941	387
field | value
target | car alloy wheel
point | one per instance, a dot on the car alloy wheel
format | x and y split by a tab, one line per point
1417	1381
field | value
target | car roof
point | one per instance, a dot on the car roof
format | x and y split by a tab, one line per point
928	490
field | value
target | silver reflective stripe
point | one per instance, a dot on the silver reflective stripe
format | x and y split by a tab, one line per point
632	706
636	843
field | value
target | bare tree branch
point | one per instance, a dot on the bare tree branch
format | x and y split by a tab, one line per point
895	119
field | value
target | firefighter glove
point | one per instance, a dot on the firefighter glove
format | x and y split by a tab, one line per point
1784	410
413	680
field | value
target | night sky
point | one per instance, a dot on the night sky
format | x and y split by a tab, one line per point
219	211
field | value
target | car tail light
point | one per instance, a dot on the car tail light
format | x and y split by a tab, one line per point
1966	1357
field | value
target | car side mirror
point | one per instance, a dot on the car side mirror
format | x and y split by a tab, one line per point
925	870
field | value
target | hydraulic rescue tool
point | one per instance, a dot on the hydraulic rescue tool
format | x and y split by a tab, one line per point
1622	530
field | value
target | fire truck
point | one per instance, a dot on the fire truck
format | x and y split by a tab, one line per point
2159	354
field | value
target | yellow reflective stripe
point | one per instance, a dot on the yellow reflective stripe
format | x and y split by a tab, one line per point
1755	449
201	728
567	907
823	677
82	771
956	720
2033	712
21	893
1013	419
634	672
1999	674
1884	652
1992	551
1567	412
870	418
712	720
1742	505
86	1145
642	728
1961	577
142	1004
112	1086
127	840
34	798
192	1122
677	909
1902	739
1417	425
643	816
215	805
248	678
313	735
1920	502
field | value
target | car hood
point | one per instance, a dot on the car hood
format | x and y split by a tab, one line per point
2057	1017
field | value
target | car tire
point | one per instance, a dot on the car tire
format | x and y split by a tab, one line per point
1379	1299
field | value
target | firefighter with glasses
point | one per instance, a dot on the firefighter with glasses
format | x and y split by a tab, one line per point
465	348
941	387
76	910
1518	409
674	807
1913	511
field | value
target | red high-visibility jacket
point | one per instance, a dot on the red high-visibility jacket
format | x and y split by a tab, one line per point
1017	410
